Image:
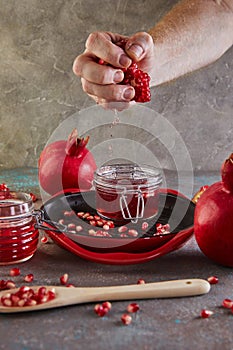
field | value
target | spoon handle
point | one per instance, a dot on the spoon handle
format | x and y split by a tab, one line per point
168	289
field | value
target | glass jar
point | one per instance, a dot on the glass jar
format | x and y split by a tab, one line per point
18	235
127	192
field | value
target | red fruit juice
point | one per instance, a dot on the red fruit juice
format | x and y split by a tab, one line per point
18	235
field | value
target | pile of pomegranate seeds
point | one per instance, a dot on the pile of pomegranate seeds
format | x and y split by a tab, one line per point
26	296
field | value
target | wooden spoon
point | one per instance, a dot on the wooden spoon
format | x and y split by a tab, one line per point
70	296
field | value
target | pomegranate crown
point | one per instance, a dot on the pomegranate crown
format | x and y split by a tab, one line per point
75	143
227	173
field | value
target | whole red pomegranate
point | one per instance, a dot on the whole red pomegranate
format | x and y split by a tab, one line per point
213	220
66	164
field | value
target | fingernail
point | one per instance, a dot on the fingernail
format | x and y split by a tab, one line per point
128	94
118	76
124	60
137	50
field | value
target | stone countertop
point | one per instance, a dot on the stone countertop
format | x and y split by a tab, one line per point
160	324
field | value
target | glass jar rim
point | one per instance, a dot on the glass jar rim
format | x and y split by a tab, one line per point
128	175
15	204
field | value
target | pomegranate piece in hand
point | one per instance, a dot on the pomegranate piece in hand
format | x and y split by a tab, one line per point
137	78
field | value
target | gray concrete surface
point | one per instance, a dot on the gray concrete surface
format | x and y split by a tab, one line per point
38	90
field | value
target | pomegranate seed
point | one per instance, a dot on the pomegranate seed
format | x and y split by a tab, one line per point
227	303
33	197
92	232
68	213
124	235
212	279
110	224
96	217
15	271
61	221
162	229
44	239
80	214
10	284
71	226
122	229
99	223
21	302
206	313
100	310
126	319
132	233
85	216
145	226
15	299
29	278
3	187
90	217
141	281
79	228
133	307
106	227
107	305
6	302
64	278
92	222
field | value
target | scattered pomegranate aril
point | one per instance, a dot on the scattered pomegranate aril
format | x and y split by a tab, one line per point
79	228
71	226
100	310
107	305
33	197
29	278
126	319
141	281
6	284
4	187
44	239
227	303
212	280
64	279
10	284
162	229
15	271
133	307
122	229
26	296
206	313
80	214
106	227
145	226
132	233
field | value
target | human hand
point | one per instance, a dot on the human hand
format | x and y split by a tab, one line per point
102	82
